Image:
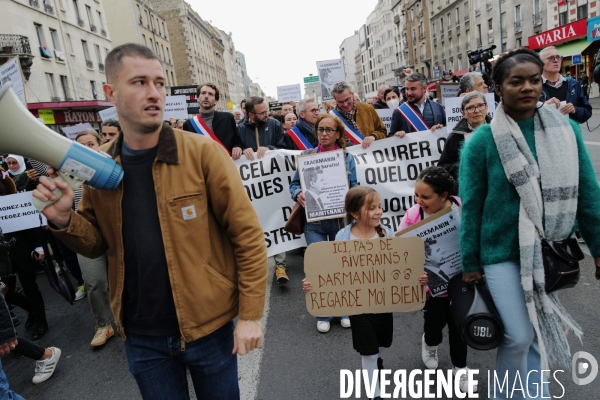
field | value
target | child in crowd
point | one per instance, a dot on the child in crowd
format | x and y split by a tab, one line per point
434	191
370	332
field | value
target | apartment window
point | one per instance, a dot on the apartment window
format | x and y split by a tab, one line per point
173	78
147	19
62	5
490	24
457	16
100	19
98	56
51	86
144	38
88	11
582	11
164	30
76	8
55	40
449	22
518	22
151	43
40	35
466	11
519	43
441	26
94	91
433	29
86	52
563	18
64	83
163	52
69	43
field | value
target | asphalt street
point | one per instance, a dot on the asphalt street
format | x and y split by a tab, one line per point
296	361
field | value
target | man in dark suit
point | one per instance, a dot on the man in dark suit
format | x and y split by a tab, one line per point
313	180
222	124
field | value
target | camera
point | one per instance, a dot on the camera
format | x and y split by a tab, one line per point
481	55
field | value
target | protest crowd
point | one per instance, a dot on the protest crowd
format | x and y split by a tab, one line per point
513	170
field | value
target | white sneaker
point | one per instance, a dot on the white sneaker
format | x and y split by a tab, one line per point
464	382
80	293
429	354
345	322
45	368
323	326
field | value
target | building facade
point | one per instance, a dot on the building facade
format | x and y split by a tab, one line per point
62	46
135	21
381	48
235	80
347	53
414	16
241	59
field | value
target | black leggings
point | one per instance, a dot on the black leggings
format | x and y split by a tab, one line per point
437	315
27	348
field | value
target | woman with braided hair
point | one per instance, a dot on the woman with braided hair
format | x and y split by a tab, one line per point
371	333
525	175
434	191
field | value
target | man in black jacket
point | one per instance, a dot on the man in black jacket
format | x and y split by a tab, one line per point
259	133
380	102
221	124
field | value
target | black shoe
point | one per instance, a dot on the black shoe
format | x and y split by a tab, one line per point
30	323
379	363
14	318
39	332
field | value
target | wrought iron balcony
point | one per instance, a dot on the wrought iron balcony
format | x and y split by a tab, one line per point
537	19
103	32
48	8
17	45
89	64
80	22
478	42
467	18
55	98
93	28
34	3
101	67
488	5
518	26
477	12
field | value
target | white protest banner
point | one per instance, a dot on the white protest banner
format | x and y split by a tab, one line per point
441	234
72	131
175	107
391	167
447	90
289	93
324	183
11	72
109	113
366	276
386	116
453	107
18	213
330	73
267	182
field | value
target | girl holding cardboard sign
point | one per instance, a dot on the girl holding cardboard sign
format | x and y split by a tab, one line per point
371	333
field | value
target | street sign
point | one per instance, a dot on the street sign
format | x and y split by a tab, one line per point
311	79
576	58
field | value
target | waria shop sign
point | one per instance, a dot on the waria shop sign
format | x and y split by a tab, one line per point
557	35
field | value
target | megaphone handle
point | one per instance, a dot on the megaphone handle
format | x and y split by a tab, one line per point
63	176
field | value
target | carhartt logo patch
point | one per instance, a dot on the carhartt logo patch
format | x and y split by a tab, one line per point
188	212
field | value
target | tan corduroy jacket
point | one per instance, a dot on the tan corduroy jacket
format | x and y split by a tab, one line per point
368	121
217	260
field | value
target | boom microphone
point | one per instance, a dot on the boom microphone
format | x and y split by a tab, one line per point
21	133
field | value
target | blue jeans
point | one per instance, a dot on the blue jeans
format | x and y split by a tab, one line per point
159	366
5	392
518	352
323	231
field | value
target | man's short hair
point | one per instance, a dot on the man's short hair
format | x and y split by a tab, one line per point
311	175
417	77
544	50
301	106
251	102
210	85
468	81
242	103
111	122
341	86
114	59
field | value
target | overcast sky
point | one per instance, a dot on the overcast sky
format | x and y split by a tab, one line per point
281	39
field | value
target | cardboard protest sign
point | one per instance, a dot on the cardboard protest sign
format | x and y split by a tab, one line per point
364	276
330	73
447	90
109	113
441	236
11	72
175	107
267	182
72	131
289	93
18	213
453	109
324	182
386	116
391	167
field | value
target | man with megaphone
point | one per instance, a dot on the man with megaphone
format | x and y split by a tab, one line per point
186	252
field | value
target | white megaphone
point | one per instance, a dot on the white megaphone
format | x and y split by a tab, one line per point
21	133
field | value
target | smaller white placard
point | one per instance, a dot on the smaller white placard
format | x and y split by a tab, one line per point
109	113
386	116
72	131
175	107
453	108
289	93
18	213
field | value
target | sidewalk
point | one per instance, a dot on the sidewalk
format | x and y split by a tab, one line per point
595	103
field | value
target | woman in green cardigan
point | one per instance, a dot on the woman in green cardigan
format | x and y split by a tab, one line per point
525	174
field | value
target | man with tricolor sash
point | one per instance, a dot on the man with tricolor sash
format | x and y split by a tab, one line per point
362	124
418	113
302	136
216	125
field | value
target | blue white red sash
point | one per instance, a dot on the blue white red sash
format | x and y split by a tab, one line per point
299	139
203	129
351	133
413	118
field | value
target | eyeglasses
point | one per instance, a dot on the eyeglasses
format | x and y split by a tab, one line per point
347	101
478	107
264	113
12	163
314	110
554	58
325	131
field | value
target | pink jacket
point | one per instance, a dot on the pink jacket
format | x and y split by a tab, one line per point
413	215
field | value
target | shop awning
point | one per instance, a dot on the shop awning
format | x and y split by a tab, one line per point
577	47
431	87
